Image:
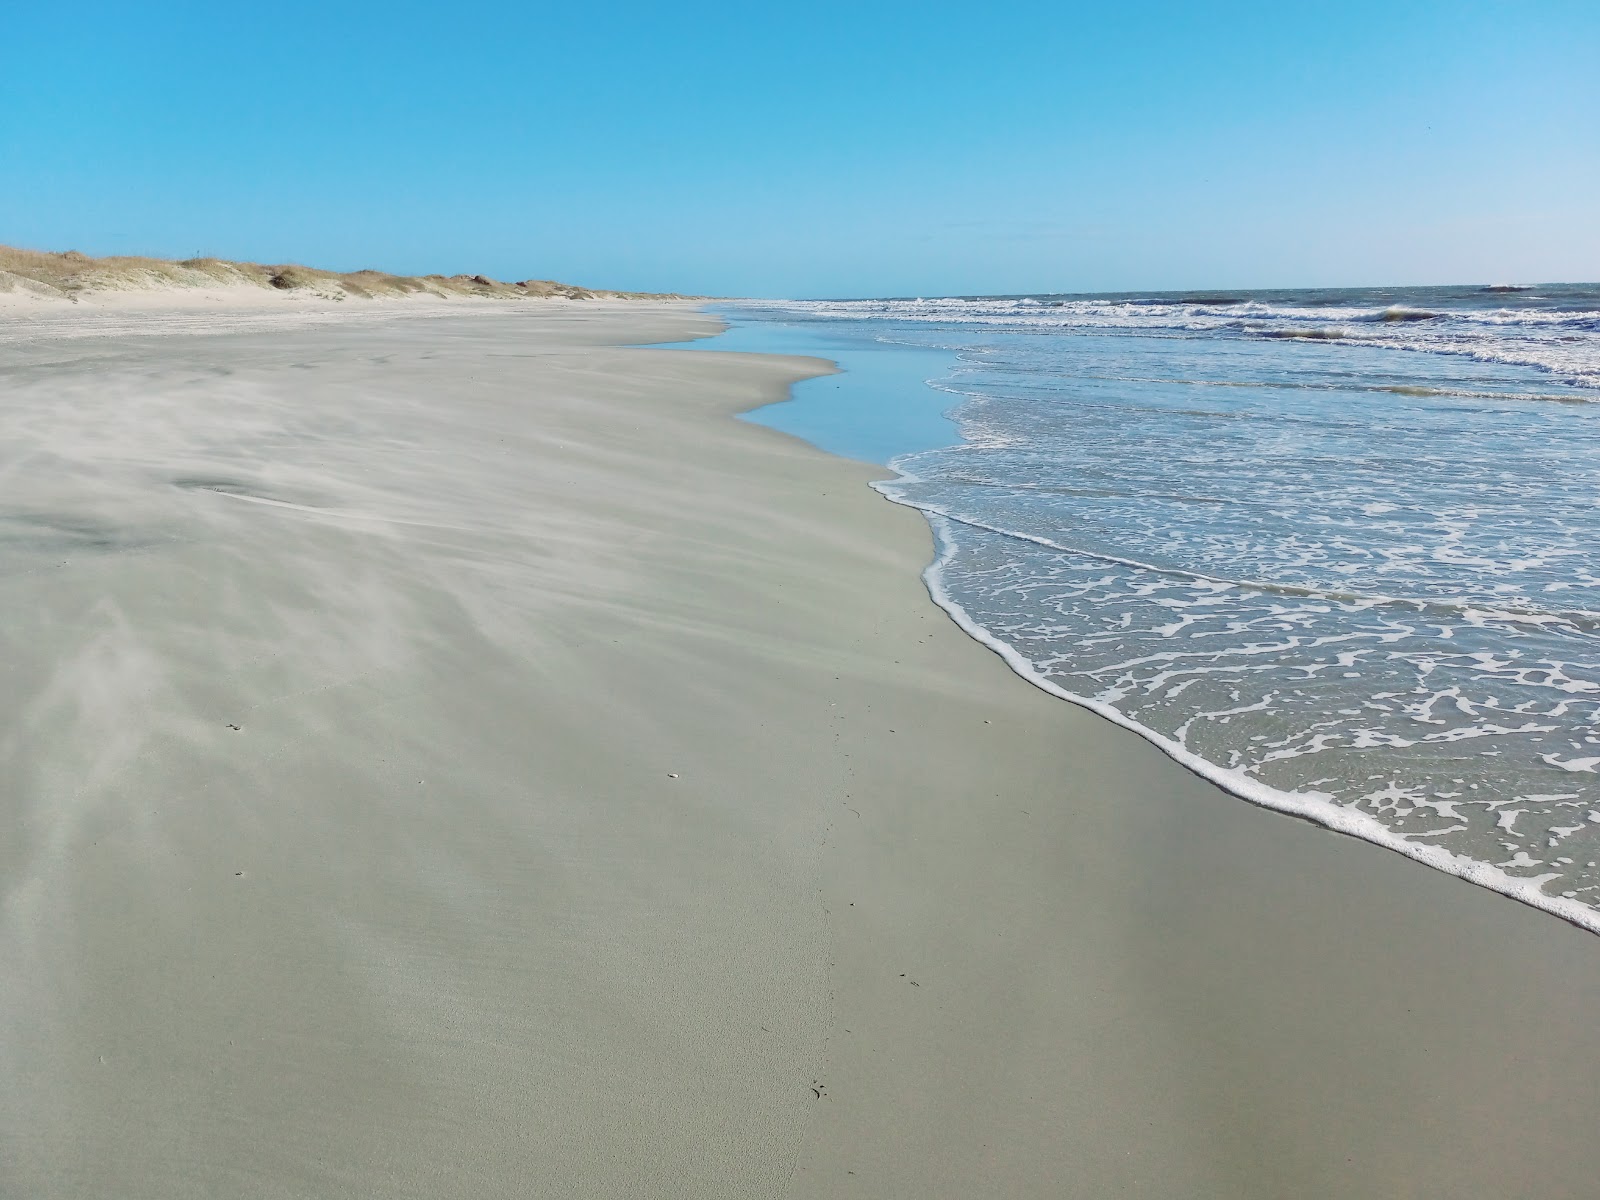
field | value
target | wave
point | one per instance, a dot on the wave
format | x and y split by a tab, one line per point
1563	341
1398	312
1417	390
1136	312
1310	334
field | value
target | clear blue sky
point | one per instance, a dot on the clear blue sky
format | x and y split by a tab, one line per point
819	148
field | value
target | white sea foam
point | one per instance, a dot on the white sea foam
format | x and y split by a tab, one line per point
1561	340
1317	807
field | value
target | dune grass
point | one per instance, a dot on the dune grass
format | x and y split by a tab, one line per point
69	275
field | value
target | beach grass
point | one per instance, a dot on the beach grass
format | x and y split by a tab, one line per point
72	275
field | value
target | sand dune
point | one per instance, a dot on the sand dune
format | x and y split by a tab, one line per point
33	275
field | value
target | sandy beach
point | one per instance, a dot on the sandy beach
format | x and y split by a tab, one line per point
446	755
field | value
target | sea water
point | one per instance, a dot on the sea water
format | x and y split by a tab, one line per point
1338	551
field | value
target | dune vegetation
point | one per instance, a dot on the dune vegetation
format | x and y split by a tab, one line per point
70	275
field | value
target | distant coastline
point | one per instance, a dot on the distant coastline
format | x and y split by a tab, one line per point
71	276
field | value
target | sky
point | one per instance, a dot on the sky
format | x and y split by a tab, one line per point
818	149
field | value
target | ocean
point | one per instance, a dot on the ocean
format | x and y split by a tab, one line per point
1337	551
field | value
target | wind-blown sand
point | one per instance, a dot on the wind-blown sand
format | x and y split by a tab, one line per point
446	756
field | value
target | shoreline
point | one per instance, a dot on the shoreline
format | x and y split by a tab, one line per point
626	820
1313	808
900	429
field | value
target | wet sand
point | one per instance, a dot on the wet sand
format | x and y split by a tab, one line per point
445	755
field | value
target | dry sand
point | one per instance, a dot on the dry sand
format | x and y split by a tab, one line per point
445	756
